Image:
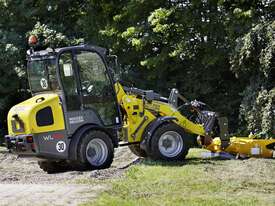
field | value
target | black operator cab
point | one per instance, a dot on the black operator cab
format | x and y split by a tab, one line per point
87	84
81	77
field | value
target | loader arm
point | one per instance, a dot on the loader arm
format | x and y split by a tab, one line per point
140	112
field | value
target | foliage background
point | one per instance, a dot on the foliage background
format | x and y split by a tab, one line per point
218	51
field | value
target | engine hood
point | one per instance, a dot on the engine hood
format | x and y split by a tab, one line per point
26	117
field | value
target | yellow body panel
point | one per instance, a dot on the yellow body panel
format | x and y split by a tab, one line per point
27	110
137	117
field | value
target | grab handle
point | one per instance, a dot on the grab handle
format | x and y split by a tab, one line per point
41	99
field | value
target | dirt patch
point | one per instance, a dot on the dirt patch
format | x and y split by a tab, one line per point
47	194
259	171
22	182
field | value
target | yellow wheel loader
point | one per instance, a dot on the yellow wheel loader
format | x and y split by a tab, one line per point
77	116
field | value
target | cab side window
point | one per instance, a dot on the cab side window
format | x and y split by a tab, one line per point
96	86
69	82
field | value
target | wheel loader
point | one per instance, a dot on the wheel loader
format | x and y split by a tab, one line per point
78	114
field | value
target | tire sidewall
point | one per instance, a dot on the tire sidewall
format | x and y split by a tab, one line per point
155	152
87	137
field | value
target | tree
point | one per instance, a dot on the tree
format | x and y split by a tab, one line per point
186	44
166	44
253	61
9	82
17	18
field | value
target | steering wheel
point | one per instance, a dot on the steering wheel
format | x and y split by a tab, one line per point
87	87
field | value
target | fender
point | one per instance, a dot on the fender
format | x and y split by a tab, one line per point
80	132
151	128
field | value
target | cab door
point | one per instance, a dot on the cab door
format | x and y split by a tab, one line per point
96	87
88	91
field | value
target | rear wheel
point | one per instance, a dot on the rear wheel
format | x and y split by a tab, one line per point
135	148
96	150
168	143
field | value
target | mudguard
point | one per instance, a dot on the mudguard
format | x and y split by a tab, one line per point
151	128
80	132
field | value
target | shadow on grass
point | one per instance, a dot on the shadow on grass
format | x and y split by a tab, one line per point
147	162
188	161
141	161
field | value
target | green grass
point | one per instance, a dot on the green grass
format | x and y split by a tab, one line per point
193	182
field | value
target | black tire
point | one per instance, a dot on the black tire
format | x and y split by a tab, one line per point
51	167
135	148
155	148
108	148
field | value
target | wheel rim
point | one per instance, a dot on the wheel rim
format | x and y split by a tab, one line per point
96	152
170	144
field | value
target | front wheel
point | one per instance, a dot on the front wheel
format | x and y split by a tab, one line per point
96	150
168	143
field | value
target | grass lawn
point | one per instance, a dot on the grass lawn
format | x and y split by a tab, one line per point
195	181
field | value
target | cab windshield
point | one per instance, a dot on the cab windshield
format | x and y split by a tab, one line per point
42	75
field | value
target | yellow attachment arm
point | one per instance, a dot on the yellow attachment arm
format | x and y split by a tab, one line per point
245	146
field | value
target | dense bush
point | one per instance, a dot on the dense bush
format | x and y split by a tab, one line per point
253	61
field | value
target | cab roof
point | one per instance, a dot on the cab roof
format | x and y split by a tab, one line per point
50	52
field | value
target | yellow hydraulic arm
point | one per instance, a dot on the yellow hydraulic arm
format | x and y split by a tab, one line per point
140	112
